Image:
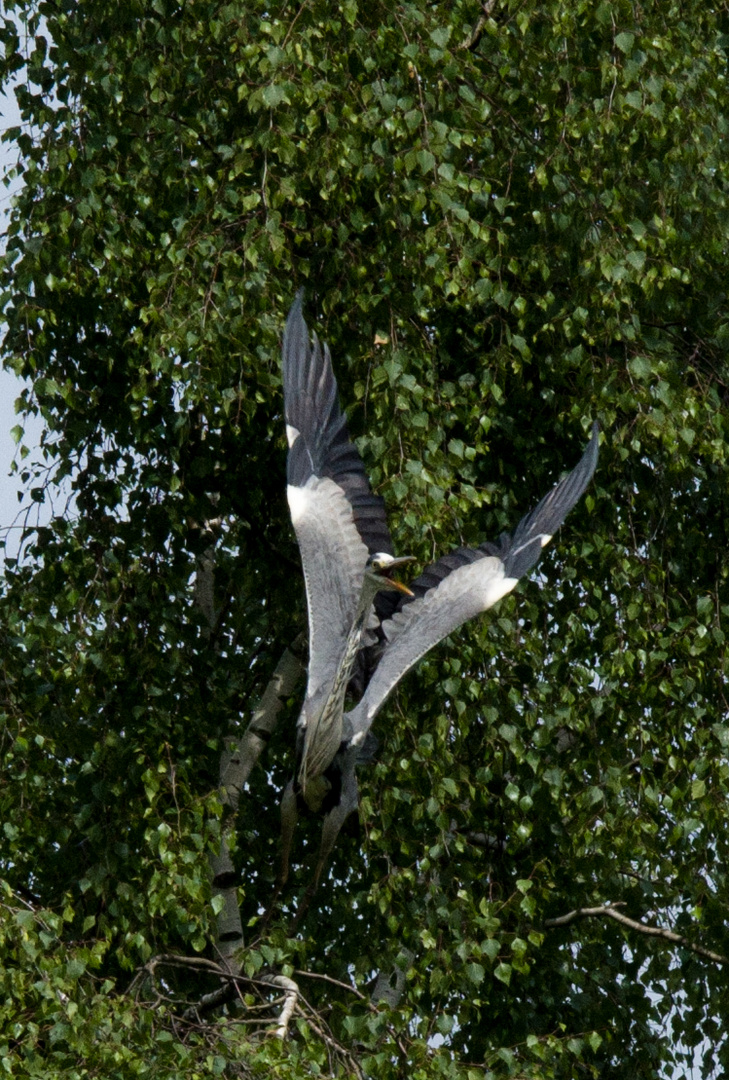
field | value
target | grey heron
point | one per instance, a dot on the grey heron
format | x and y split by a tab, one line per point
346	552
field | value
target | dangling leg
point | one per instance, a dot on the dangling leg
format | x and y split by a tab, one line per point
289	817
349	801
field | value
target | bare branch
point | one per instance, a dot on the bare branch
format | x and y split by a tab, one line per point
326	1036
204	591
291	997
242	753
236	764
610	911
472	40
228	991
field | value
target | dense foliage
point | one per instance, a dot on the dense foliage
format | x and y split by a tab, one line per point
510	219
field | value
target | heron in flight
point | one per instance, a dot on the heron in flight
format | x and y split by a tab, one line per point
356	609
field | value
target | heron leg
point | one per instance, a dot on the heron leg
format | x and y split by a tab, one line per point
289	817
330	831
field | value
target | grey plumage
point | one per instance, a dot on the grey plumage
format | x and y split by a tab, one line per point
346	553
345	545
463	584
321	717
340	525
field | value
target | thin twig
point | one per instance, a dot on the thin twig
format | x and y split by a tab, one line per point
333	981
610	911
165	960
328	1038
293	24
353	990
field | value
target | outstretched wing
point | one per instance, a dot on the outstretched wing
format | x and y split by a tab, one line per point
464	583
338	521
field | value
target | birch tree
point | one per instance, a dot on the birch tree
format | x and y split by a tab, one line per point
510	219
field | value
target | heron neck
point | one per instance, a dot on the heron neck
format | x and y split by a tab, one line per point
352	644
324	732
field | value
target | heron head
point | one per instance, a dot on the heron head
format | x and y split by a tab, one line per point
379	568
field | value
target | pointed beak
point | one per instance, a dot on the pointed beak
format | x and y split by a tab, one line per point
401	561
394	565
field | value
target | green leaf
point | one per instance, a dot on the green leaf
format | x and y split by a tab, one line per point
273	95
349	10
705	606
503	973
625	41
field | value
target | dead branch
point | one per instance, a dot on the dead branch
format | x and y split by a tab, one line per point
322	1030
291	996
236	764
369	1002
610	911
149	970
228	991
472	40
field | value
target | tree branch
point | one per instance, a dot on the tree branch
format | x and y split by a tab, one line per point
291	996
240	754
472	40
228	991
610	911
334	982
389	986
320	1028
236	764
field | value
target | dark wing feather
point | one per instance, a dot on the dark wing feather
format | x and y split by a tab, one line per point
520	551
311	406
338	521
464	583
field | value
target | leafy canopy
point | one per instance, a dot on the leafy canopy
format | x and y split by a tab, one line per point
510	219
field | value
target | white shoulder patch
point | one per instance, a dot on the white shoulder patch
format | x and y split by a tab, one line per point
299	502
484	579
496	588
292	434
